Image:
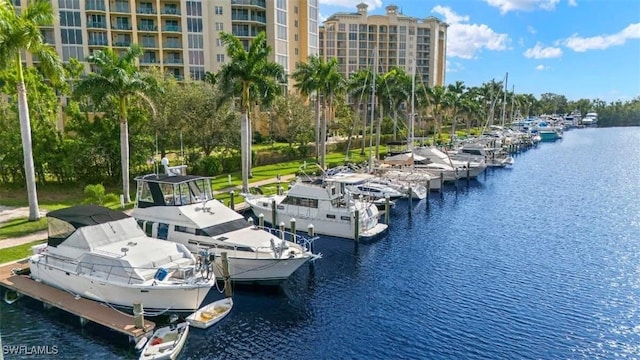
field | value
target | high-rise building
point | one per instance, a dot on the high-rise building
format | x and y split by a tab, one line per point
181	37
359	40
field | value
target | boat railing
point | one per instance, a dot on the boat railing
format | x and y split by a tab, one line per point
106	272
303	241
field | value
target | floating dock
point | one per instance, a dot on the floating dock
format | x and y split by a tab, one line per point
87	310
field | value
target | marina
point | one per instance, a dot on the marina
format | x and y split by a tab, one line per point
507	265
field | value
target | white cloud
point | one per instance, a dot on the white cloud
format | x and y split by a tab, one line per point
531	29
373	4
601	42
525	5
573	3
539	52
465	40
321	17
540	67
454	67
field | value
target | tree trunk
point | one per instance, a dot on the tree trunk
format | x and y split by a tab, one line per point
249	143
317	126
124	150
27	150
244	139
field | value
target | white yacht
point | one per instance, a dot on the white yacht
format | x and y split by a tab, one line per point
181	208
323	206
433	155
590	119
365	185
101	254
493	157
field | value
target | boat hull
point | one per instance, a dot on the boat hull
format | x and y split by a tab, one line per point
157	297
169	350
337	227
263	271
220	309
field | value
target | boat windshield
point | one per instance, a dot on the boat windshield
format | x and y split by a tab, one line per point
225	227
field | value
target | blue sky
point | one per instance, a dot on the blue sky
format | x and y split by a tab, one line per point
577	48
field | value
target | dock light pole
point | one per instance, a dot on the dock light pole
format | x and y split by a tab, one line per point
261	220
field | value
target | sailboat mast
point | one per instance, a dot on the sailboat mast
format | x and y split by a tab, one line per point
373	101
413	107
504	99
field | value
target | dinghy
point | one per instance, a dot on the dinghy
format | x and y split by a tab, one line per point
210	314
166	342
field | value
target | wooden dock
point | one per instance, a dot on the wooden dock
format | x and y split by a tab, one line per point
84	308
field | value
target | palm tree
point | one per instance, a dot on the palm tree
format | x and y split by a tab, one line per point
252	76
308	83
21	32
323	78
357	87
119	80
455	91
437	100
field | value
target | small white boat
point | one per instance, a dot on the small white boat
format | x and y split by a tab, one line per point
166	342
210	314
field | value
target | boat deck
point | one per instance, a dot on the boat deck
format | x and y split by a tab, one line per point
84	308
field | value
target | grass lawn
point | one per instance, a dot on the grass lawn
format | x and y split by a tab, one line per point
17	252
20	227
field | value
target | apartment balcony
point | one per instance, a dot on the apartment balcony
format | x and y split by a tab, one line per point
170	61
252	3
245	33
147	27
122	43
121	8
171	11
172	28
149	61
96	25
149	44
98	42
95	6
246	18
146	11
123	27
172	45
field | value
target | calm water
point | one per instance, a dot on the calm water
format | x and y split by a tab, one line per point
541	261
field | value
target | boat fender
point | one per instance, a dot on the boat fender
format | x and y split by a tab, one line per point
141	343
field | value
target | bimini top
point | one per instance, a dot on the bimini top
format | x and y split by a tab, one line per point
64	222
87	215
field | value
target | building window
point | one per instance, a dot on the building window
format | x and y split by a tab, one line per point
196	41
194	25
295	51
295	37
219	26
218	10
218	42
196	57
71	36
220	58
295	23
194	8
295	9
70	18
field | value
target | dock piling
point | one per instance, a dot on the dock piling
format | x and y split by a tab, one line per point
261	220
357	226
292	225
232	200
410	199
386	208
138	315
225	274
281	227
273	213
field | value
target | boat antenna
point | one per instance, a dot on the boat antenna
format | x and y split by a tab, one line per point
181	150
154	160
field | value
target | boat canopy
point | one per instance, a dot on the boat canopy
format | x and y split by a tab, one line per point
64	222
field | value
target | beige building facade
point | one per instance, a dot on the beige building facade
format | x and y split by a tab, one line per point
360	40
182	37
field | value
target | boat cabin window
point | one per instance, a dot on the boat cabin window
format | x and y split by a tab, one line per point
472	151
292	200
184	229
226	227
144	193
331	216
59	229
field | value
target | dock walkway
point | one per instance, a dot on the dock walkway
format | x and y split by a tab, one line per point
84	308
